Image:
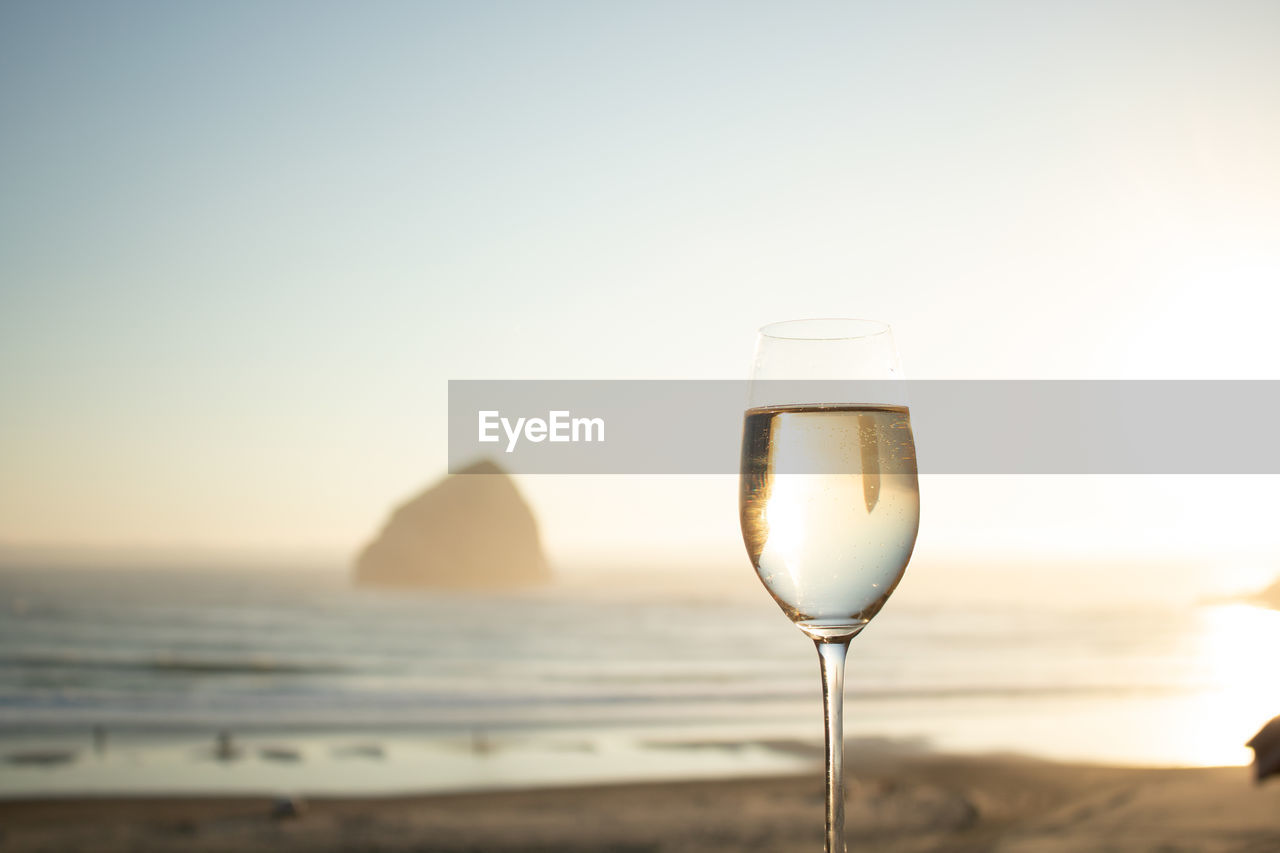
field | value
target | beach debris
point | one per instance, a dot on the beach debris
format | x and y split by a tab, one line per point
41	757
287	806
225	749
283	754
1266	751
480	743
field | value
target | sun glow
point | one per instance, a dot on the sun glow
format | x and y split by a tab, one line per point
1236	649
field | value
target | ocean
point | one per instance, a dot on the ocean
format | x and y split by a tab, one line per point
123	681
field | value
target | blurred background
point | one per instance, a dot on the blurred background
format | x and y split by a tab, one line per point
243	247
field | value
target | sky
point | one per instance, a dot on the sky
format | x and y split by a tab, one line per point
244	245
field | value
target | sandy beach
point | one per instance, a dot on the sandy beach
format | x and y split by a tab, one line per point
896	803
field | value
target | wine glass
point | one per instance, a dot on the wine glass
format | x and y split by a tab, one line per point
828	495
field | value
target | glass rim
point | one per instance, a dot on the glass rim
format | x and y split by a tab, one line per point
817	329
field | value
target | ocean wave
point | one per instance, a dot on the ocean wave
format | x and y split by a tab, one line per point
172	664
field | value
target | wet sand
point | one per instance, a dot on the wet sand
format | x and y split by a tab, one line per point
896	803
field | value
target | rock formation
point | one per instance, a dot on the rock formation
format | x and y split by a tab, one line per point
471	530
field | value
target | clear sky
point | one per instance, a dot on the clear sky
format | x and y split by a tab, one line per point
243	245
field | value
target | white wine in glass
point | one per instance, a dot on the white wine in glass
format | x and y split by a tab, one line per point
829	498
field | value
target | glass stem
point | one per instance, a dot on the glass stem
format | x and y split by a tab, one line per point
831	655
